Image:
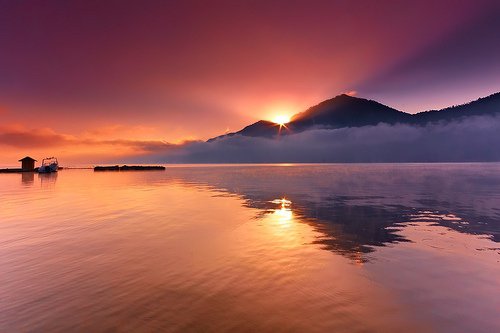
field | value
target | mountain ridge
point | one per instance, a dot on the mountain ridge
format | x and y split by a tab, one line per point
348	111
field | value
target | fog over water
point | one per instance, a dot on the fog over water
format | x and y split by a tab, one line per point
468	140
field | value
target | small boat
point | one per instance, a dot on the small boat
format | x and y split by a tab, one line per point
49	164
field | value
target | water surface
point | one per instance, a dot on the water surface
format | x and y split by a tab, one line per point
252	248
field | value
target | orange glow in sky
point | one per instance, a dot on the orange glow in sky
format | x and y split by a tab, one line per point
172	71
281	119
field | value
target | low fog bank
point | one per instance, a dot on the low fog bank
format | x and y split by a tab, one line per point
471	139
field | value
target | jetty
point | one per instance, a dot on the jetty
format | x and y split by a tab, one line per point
129	168
27	165
14	170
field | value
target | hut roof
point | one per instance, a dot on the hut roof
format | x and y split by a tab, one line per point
27	158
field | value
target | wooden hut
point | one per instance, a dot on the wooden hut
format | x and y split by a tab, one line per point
27	163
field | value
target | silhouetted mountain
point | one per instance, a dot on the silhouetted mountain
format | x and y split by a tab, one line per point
262	128
483	106
348	111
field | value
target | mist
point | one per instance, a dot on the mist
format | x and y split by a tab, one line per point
469	140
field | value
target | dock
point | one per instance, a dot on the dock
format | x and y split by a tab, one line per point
129	168
14	170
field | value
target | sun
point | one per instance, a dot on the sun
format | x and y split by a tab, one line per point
281	120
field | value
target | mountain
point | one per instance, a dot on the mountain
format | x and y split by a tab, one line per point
348	111
481	107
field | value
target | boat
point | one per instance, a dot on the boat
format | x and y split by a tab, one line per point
49	164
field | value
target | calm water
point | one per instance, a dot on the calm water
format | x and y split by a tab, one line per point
301	248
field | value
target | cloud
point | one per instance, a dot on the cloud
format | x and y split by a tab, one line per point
473	139
21	137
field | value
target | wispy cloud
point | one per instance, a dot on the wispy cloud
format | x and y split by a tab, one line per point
21	137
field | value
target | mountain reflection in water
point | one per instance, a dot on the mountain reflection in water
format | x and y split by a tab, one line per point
252	248
359	207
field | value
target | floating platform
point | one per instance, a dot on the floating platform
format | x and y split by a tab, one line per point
14	170
129	168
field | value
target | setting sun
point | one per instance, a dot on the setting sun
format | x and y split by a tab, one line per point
281	120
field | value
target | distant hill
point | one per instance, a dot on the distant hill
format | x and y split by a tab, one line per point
348	111
483	106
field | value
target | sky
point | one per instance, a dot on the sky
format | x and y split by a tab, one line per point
99	80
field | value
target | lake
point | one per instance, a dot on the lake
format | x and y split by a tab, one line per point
252	248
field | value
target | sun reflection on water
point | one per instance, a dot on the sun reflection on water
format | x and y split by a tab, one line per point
104	242
283	202
284	213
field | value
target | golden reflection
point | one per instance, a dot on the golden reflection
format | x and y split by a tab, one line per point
281	226
358	258
284	214
283	202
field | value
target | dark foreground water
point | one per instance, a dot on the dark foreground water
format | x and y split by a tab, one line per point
300	248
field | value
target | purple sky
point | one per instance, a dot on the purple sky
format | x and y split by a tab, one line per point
175	70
